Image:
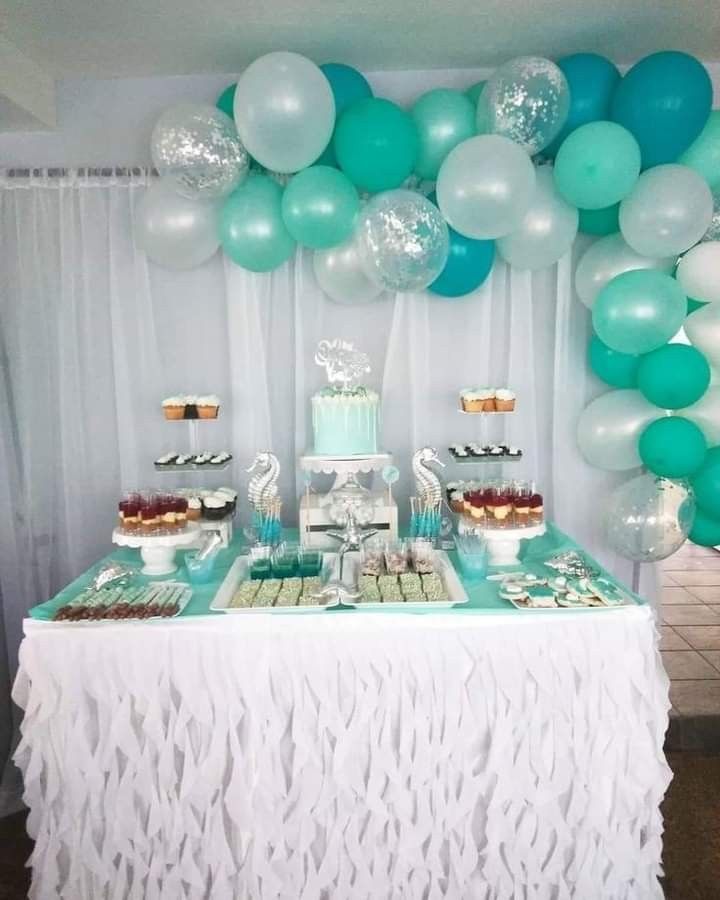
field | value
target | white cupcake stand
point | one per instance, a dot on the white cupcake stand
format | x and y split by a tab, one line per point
158	550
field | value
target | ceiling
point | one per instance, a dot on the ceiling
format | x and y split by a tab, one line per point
99	38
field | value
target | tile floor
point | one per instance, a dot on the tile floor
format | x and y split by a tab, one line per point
691	630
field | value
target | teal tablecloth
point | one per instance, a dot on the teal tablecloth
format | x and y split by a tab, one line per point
483	594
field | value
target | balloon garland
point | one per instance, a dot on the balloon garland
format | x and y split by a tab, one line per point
296	154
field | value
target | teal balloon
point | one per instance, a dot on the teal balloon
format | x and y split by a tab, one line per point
639	311
664	101
706	483
226	101
320	207
672	447
692	305
592	80
376	144
703	154
597	165
252	231
600	221
469	263
618	369
347	84
705	531
443	118
674	376
474	91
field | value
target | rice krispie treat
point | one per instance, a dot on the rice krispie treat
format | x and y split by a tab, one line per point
244	595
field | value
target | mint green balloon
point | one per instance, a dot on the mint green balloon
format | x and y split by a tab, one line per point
673	376
320	206
597	165
705	531
602	222
474	91
252	231
639	311
618	369
443	118
672	447
706	483
703	154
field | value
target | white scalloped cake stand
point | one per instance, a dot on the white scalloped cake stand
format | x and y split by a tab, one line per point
322	464
157	550
504	543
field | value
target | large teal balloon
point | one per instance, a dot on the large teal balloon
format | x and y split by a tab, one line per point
599	221
320	207
592	80
443	118
674	376
664	100
672	447
597	165
639	311
706	530
706	483
226	101
618	369
376	144
474	91
252	231
468	265
703	154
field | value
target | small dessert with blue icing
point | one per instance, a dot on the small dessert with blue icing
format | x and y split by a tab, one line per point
345	415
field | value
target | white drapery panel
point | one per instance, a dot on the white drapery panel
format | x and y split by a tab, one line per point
366	757
93	336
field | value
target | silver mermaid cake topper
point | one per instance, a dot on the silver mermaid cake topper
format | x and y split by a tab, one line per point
344	365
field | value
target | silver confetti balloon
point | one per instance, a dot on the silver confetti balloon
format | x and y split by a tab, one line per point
649	518
526	100
713	231
196	148
403	239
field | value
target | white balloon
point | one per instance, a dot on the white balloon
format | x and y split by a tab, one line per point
609	428
547	231
706	414
176	232
284	111
608	257
702	328
485	186
340	274
667	212
698	272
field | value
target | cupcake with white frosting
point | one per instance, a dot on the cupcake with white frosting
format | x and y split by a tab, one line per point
208	406
214	507
504	400
472	400
174	407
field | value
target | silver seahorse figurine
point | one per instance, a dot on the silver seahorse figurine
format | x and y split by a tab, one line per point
263	488
427	484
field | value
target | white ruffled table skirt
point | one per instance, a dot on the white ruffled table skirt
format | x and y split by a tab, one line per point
346	757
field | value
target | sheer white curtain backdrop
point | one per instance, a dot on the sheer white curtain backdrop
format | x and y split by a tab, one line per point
93	336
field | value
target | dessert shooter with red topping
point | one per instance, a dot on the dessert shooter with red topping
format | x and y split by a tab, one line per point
149	513
536	507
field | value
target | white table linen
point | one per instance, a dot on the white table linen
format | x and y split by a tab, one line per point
346	757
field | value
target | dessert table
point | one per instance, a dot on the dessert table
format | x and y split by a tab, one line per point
484	752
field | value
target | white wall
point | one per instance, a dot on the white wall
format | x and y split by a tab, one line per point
109	122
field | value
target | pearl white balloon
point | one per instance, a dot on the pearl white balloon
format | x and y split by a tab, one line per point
702	328
609	427
608	257
403	239
706	414
698	272
649	518
284	111
485	186
546	232
667	212
196	148
176	232
340	274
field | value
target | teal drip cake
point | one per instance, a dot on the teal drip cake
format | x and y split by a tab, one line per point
345	422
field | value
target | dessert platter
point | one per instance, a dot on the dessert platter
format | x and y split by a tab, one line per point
526	590
208	460
491	453
115	602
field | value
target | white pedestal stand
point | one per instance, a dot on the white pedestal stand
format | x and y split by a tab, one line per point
504	543
157	550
